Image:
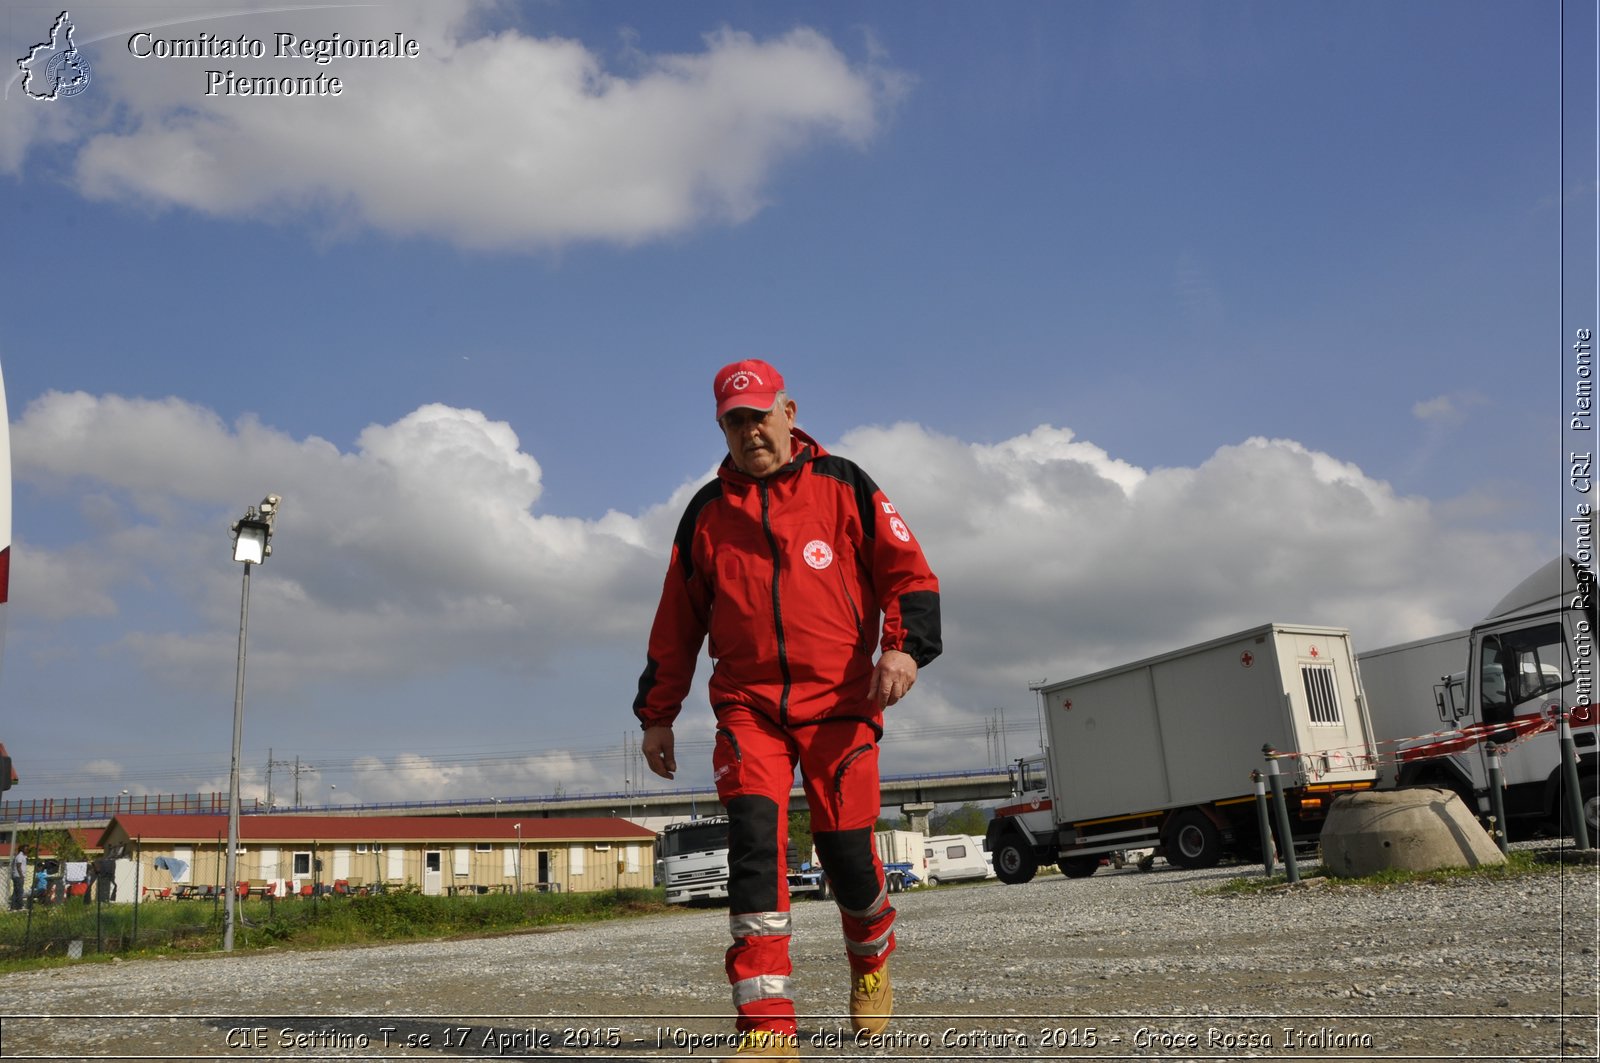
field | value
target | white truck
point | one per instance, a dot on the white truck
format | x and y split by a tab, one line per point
1159	753
1441	706
692	860
692	863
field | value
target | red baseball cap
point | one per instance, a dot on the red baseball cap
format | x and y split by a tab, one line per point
752	384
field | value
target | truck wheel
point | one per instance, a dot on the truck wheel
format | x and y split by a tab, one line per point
1193	841
1014	862
1078	866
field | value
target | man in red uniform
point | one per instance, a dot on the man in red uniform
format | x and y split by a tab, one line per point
798	568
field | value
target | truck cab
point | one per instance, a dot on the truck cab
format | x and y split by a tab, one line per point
1526	665
1024	834
693	860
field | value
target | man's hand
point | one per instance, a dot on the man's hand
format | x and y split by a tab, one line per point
657	749
893	678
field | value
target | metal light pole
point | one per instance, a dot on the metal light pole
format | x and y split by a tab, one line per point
518	828
252	544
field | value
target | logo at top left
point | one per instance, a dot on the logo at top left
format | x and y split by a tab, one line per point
55	69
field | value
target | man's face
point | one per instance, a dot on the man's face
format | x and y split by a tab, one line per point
758	442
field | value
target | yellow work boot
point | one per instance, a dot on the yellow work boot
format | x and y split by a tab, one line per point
765	1044
871	1001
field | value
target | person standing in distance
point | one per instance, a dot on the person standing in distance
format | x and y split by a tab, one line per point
798	569
19	875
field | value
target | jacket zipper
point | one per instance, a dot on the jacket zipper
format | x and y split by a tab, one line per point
855	611
777	603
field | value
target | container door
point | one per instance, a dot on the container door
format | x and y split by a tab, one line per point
433	872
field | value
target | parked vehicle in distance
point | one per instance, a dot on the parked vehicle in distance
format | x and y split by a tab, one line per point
692	863
692	860
904	865
954	858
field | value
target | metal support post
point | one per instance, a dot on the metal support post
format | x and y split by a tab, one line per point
1262	823
1290	865
1497	800
1570	786
232	863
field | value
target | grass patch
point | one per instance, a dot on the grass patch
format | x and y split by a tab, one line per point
1520	863
175	928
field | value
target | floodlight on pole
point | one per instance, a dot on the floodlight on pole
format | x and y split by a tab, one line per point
252	544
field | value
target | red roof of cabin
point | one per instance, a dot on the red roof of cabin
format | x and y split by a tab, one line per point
87	838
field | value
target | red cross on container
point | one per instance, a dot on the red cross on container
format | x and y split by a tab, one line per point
1246	659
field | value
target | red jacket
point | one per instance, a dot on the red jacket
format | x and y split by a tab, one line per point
790	576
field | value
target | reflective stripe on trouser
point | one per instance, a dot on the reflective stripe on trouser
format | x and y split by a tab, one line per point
761	987
865	915
755	763
763	994
759	924
869	933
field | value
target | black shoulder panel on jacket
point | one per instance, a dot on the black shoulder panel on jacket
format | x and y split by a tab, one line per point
691	513
853	476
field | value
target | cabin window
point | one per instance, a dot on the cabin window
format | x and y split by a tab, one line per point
1322	693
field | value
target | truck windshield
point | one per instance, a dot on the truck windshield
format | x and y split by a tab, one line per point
1518	666
695	838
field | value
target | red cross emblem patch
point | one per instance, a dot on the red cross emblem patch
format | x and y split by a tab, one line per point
818	554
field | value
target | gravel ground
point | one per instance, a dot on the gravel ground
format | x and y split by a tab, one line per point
1121	965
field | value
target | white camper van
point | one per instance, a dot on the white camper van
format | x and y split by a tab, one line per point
954	857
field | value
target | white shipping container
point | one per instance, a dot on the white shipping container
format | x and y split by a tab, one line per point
900	847
1187	727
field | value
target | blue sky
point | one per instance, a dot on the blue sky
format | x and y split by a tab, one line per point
1158	320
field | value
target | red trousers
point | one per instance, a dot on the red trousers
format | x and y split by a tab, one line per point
754	766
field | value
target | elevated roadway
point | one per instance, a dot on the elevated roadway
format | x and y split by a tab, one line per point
915	795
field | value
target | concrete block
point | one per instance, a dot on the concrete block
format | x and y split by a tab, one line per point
1420	829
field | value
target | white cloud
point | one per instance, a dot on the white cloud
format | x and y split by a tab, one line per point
1056	559
1442	417
490	138
419	555
1447	411
417	548
405	777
